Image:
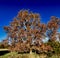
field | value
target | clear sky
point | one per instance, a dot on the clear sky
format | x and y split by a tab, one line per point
10	8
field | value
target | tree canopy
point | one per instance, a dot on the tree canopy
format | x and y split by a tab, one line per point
26	32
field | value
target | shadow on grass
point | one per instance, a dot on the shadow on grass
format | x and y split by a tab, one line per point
4	52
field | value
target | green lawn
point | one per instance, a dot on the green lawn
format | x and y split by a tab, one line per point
33	55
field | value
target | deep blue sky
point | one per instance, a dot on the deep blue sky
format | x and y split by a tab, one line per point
10	8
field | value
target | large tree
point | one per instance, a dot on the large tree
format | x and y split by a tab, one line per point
26	32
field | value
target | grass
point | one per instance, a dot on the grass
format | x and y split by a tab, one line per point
55	56
4	50
27	55
8	55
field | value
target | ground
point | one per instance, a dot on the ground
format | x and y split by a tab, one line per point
27	55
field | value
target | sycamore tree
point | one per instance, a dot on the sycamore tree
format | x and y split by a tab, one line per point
26	32
54	36
52	28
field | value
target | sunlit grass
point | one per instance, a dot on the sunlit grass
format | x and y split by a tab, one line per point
27	55
4	49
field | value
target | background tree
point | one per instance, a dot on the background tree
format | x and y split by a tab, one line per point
52	28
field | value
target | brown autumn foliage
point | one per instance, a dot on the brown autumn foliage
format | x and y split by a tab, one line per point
26	32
